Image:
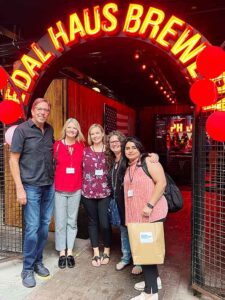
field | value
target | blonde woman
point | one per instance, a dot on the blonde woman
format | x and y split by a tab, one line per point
68	154
96	192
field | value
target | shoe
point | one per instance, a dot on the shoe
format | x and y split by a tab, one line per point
62	262
137	270
144	296
105	259
28	279
41	270
121	265
96	261
70	261
140	286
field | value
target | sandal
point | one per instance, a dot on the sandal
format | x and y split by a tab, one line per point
96	261
137	270
105	259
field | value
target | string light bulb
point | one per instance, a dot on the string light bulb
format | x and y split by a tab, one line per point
136	55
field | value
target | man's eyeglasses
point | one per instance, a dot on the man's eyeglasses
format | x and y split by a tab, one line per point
40	109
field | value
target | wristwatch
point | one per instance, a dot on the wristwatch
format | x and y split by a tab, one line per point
150	205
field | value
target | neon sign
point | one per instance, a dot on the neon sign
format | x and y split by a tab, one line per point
150	24
180	127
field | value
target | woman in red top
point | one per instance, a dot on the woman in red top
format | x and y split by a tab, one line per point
68	154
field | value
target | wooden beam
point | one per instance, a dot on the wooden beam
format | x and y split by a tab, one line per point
9	34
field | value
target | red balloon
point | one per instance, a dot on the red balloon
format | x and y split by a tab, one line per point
10	111
3	78
203	92
211	62
215	126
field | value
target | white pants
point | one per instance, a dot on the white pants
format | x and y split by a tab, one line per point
66	212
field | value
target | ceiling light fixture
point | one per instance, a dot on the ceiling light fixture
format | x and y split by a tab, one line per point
95	88
136	55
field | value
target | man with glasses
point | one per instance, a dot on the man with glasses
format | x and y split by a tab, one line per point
31	166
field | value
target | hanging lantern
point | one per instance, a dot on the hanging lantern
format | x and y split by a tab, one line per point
10	111
215	126
3	78
9	134
203	92
211	62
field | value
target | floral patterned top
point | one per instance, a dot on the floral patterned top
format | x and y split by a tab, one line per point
95	181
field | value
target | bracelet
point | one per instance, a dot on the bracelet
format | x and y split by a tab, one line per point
150	205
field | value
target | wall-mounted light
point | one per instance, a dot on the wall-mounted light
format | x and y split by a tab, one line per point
143	67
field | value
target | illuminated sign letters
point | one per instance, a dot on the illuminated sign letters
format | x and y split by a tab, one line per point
148	23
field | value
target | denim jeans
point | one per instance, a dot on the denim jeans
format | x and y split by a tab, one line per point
125	245
66	213
37	217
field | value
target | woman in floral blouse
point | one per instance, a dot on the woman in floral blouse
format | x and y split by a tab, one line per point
96	193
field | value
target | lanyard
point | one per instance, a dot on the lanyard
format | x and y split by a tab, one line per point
131	176
98	157
115	170
70	151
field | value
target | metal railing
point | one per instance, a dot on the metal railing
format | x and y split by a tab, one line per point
10	211
208	223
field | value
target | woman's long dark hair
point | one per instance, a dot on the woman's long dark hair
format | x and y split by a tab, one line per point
138	145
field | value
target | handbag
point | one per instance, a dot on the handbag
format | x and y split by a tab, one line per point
147	243
113	213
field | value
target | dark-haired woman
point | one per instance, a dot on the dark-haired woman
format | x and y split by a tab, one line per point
117	168
144	201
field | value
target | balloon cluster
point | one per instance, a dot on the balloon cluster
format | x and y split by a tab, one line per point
210	64
10	111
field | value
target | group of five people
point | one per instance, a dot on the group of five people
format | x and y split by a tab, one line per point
108	166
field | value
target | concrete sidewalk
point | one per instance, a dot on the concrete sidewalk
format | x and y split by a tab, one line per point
85	282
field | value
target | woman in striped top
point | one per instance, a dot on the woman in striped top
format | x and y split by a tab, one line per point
144	201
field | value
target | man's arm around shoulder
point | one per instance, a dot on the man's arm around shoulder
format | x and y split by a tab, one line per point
15	171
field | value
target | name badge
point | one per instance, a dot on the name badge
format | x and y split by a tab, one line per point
70	171
98	172
130	193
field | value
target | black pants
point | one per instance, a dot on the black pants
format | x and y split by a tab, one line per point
97	211
150	276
